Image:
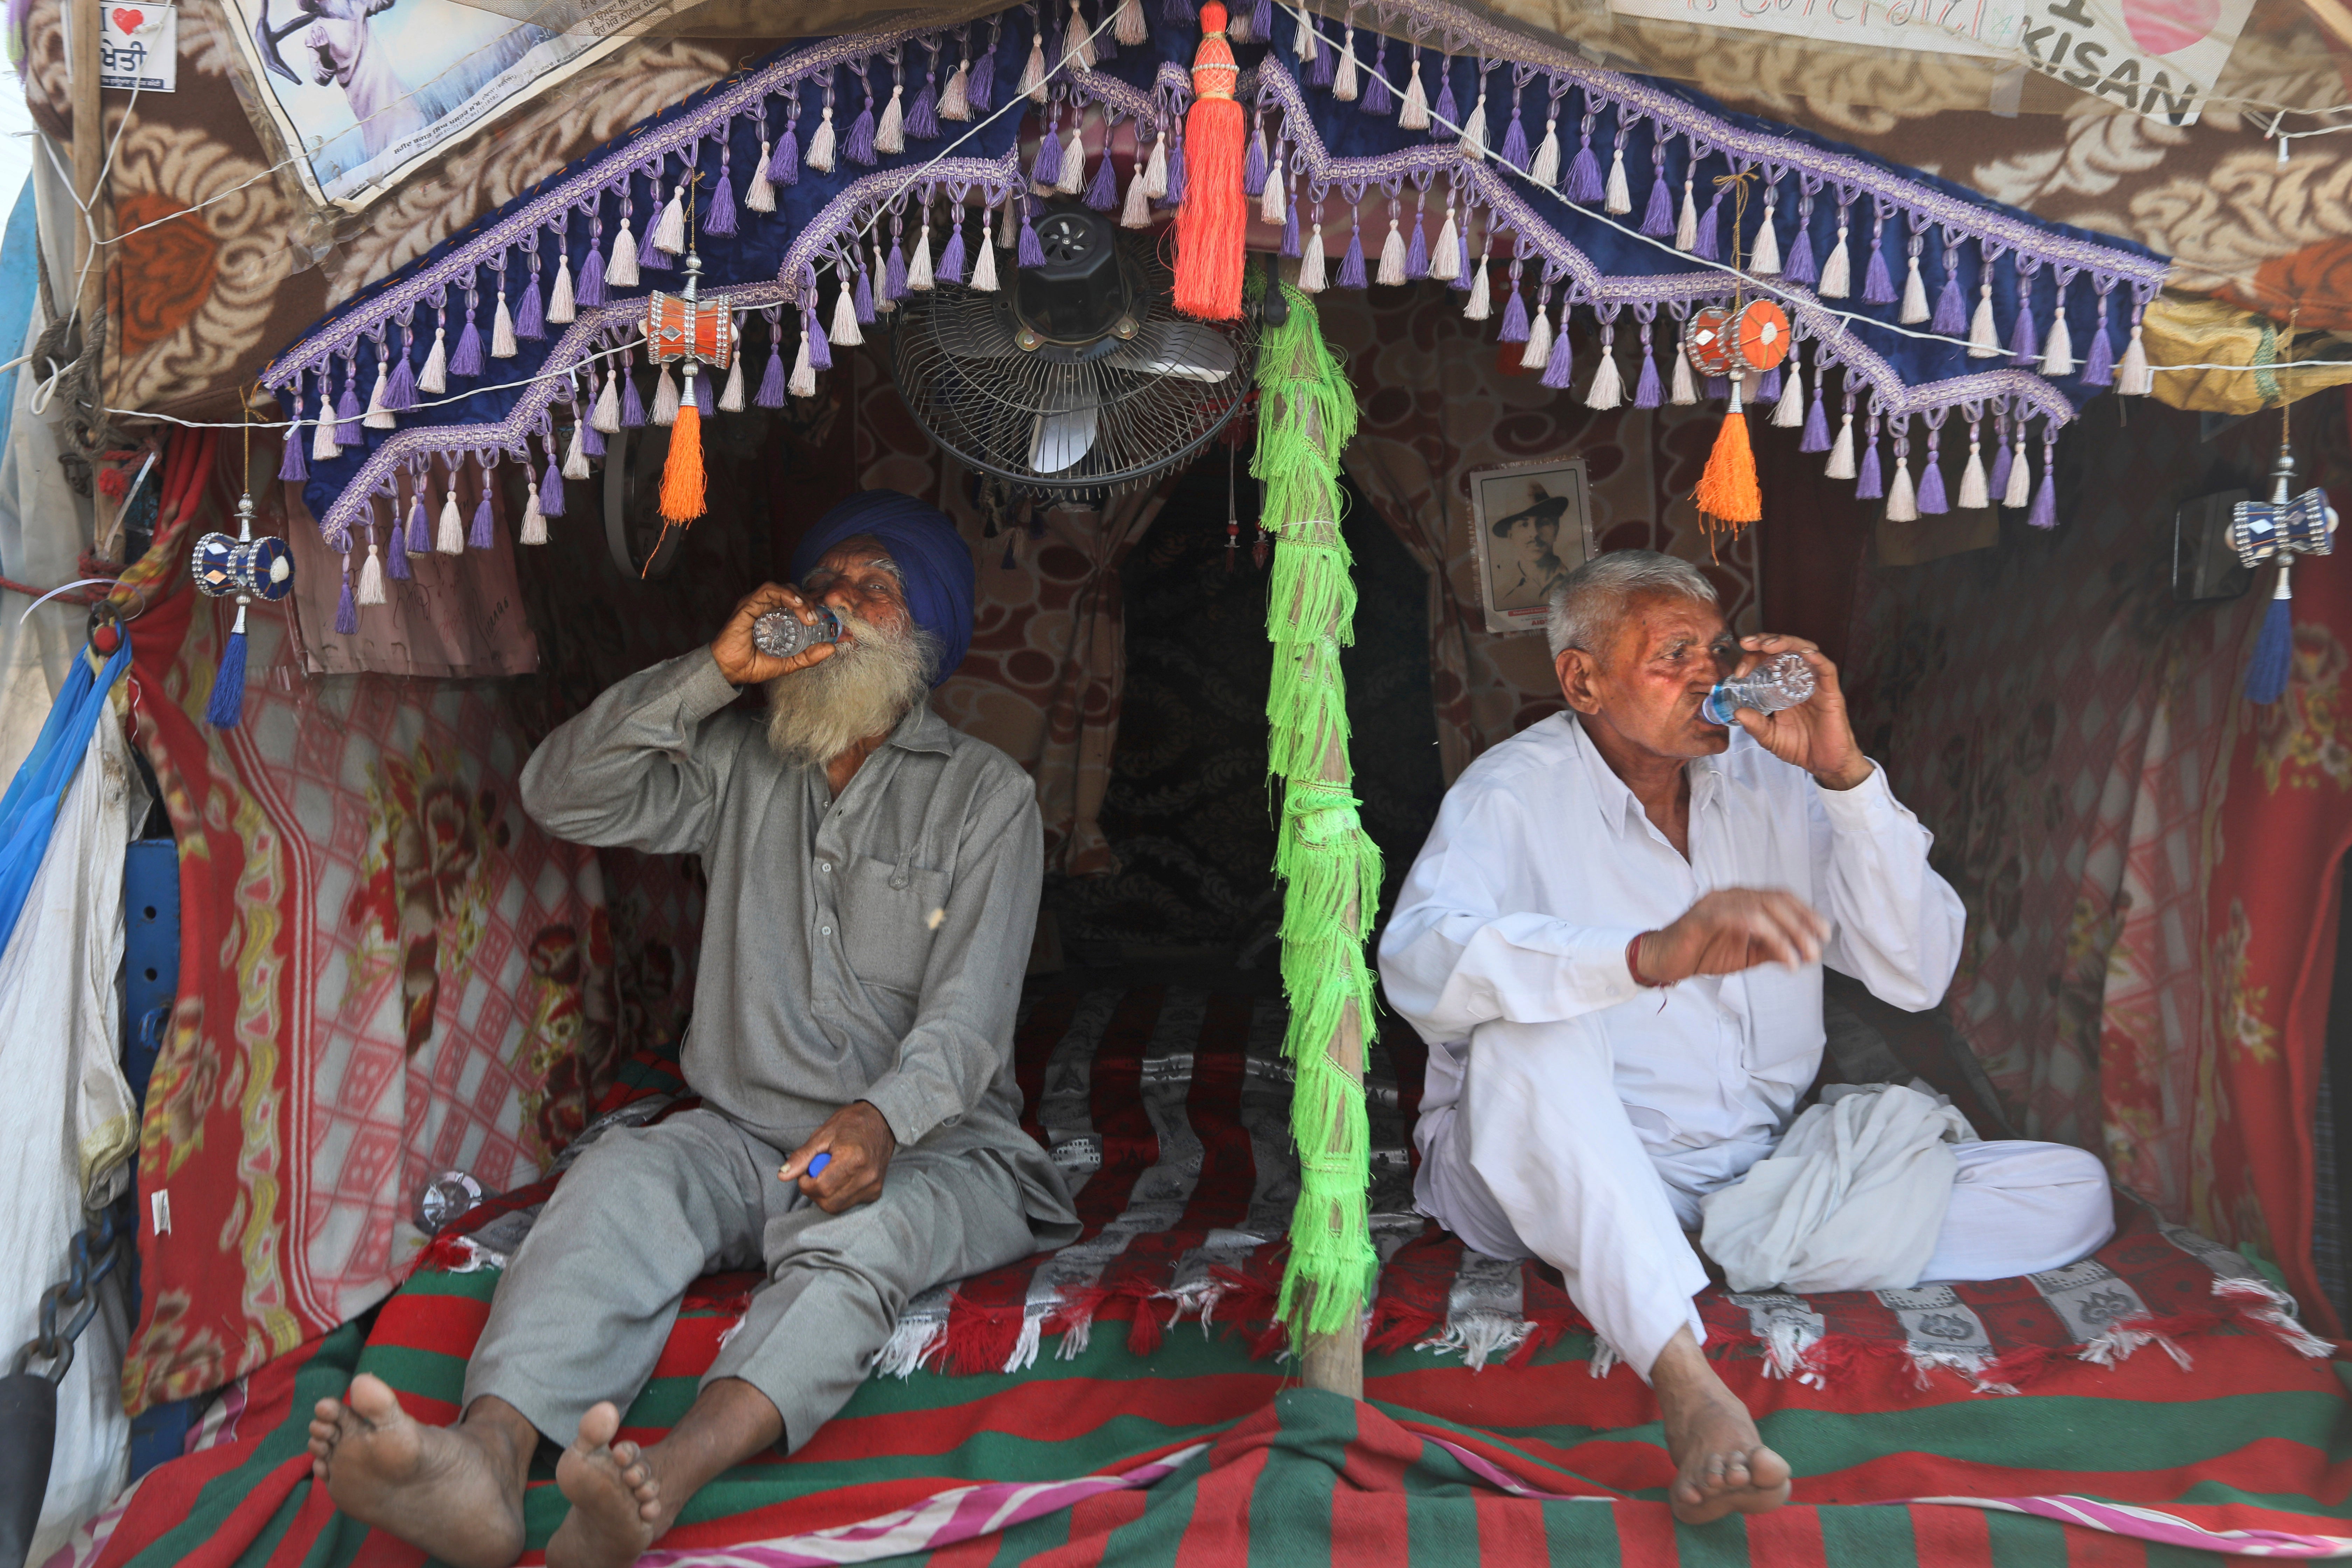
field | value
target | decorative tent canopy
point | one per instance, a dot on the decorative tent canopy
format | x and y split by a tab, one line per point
826	182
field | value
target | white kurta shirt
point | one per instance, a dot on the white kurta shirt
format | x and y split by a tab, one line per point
1542	867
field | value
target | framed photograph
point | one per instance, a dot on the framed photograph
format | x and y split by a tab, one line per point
1532	523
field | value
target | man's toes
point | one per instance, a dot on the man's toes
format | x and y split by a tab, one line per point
372	1400
598	1427
1767	1470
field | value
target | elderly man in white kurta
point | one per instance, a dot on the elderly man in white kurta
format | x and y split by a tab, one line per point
1612	943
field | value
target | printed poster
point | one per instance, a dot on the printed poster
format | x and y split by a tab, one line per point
362	91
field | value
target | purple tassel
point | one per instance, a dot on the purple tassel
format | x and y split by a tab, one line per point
1931	485
702	405
592	440
2045	496
347	410
864	295
1952	316
820	346
1179	12
1515	317
651	257
479	537
291	468
1464	271
1047	170
1261	22
1031	253
1768	386
1557	368
1584	174
923	116
1798	266
1103	195
1658	218
721	218
1326	68
980	89
1351	266
1175	196
785	163
551	489
2274	660
2024	347
395	554
1718	388
2099	364
1444	116
858	145
1416	251
1708	244
771	384
531	315
1289	229
633	407
400	393
590	290
1647	392
894	273
1817	420
1376	98
1515	142
467	358
420	532
1869	486
347	617
1998	483
1878	286
950	268
1254	166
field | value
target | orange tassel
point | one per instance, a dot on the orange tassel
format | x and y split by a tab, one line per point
1214	219
682	487
1728	493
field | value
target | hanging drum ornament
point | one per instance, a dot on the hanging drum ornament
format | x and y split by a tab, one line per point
678	326
259	568
2304	526
1760	337
1708	341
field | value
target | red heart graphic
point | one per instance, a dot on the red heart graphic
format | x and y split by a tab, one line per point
2164	27
128	19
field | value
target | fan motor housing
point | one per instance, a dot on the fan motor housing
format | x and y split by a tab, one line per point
1082	294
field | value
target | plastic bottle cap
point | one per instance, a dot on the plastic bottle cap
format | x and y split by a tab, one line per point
817	1165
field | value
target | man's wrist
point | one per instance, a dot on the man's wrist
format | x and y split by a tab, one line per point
1634	962
1851	776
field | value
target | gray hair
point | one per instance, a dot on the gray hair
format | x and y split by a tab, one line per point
1590	600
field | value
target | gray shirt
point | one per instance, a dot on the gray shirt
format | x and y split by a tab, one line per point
866	948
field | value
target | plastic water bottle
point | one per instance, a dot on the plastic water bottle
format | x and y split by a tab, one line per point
780	634
1783	681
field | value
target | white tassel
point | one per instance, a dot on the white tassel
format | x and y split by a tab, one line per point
1764	261
666	398
575	456
449	539
621	272
1129	28
1837	272
1841	463
918	265
1984	337
803	378
1391	256
759	194
1608	388
846	334
1545	170
2020	493
1901	500
1311	263
1137	214
1480	305
1915	297
1080	39
730	398
882	303
1474	125
670	230
1413	113
562	309
502	337
607	417
1684	392
1620	197
1789	414
379	417
1687	227
891	130
1008	233
1537	353
371	573
983	265
1073	162
434	378
2058	349
533	530
2133	377
1033	75
819	156
322	434
955	99
1155	169
1973	496
1343	77
1305	42
1270	205
1446	260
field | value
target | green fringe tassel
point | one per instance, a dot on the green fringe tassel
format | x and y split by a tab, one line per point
1331	870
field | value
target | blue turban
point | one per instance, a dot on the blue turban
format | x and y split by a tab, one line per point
930	555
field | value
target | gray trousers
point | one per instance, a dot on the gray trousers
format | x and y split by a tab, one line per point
588	1300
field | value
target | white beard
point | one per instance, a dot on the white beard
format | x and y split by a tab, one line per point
863	688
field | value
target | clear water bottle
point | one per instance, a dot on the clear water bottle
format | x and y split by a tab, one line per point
780	634
1781	681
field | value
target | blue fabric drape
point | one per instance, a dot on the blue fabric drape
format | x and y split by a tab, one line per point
29	810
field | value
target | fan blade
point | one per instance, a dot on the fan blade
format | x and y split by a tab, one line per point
971	331
1061	439
1177	348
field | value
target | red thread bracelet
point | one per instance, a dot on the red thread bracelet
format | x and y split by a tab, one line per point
1633	967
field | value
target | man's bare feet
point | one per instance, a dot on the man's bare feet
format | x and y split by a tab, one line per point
616	1502
455	1491
1724	1466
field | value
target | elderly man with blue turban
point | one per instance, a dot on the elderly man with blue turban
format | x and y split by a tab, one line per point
873	886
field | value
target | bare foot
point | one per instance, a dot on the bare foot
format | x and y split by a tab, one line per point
453	1491
1724	1466
616	1506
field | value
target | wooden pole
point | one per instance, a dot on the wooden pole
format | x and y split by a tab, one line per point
1335	1363
89	157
